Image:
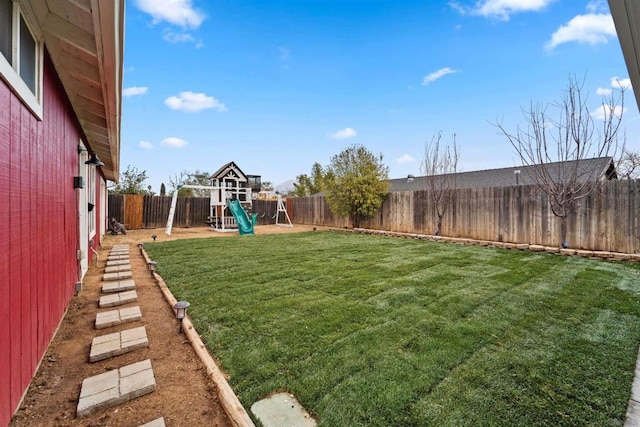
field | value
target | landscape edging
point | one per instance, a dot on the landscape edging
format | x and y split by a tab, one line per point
618	256
228	399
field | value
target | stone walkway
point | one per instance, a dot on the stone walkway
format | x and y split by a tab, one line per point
128	382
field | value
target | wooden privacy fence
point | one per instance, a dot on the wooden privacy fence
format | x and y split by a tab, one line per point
138	211
608	220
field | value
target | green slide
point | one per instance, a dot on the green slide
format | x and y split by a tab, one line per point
244	223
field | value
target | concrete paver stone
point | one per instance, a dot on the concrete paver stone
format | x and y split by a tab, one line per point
117	276
120	286
633	414
117	343
114	387
158	422
118	253
282	410
121	298
109	318
117	257
117	262
117	268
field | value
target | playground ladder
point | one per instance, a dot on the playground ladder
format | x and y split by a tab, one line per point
172	212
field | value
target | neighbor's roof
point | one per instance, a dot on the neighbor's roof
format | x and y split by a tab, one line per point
85	39
626	16
507	176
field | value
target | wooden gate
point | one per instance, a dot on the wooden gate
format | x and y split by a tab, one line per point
133	211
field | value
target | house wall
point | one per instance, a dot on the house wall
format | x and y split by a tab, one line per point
38	231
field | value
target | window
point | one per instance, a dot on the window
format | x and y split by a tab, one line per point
20	56
6	18
27	56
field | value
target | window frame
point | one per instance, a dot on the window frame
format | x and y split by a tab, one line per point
10	72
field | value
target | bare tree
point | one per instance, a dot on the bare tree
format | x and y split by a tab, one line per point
629	165
440	166
556	148
196	177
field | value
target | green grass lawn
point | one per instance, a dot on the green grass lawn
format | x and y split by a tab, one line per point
375	331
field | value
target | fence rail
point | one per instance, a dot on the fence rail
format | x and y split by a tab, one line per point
608	220
139	211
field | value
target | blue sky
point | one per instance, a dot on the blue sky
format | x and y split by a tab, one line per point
278	85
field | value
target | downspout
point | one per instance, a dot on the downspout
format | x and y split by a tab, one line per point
94	251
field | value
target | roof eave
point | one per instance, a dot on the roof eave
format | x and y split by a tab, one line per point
85	39
109	24
626	16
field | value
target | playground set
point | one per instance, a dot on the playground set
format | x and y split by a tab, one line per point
231	201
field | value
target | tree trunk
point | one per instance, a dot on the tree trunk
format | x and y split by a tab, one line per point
563	232
439	225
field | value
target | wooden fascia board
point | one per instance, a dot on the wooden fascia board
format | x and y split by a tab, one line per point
626	16
108	20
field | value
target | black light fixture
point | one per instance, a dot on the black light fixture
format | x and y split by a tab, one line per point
78	182
94	161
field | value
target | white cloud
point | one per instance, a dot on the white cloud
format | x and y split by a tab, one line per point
603	111
592	28
192	102
597	6
284	54
405	158
173	142
174	37
619	83
345	133
134	90
501	9
145	145
175	12
437	74
603	91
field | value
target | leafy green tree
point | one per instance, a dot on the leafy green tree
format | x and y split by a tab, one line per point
356	183
196	177
301	186
306	185
318	178
266	186
132	182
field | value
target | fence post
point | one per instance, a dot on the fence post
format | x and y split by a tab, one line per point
187	211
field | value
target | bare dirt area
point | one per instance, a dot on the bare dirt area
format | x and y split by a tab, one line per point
184	394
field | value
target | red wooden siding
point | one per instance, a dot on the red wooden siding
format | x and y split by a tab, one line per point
38	231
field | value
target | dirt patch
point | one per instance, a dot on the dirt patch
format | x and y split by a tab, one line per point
184	395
